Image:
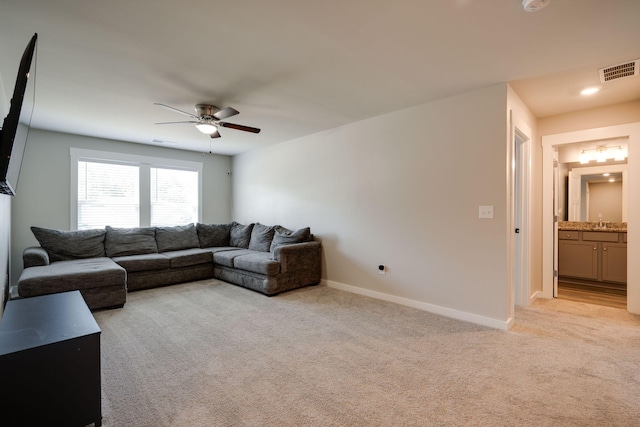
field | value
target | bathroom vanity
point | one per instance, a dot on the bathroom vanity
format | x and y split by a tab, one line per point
593	254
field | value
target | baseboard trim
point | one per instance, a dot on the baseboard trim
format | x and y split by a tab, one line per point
431	308
535	296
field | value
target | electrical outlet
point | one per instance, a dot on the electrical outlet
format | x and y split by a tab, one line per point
382	269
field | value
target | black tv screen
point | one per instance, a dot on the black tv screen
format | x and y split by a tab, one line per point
15	128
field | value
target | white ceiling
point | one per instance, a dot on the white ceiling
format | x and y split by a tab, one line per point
295	67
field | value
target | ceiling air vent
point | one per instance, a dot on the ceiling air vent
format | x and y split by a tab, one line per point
620	71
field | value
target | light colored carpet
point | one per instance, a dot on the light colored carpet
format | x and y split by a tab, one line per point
212	354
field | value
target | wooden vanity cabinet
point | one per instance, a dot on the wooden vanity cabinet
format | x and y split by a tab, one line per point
614	262
594	257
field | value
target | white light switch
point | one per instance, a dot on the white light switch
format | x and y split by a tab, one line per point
485	212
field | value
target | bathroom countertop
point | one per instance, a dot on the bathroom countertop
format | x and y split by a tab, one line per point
610	227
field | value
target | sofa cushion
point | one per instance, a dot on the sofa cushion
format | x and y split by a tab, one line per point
143	262
257	262
130	241
222	248
284	236
240	235
213	235
225	258
71	275
177	238
187	257
261	237
66	245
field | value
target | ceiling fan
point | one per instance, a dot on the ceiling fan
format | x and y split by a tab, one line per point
208	119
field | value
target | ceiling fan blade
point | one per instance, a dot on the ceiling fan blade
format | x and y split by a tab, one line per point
226	113
176	110
215	134
172	123
239	127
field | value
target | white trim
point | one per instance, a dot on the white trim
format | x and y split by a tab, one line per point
98	155
522	265
431	308
535	296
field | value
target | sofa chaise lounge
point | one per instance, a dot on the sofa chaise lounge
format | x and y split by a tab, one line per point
104	264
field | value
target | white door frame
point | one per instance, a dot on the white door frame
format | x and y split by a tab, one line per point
520	211
630	131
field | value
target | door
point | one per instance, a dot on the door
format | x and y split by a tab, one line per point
521	221
556	209
575	196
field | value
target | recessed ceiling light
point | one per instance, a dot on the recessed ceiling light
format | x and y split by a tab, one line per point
590	90
606	174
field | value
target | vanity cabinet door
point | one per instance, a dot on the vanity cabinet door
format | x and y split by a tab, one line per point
578	259
614	262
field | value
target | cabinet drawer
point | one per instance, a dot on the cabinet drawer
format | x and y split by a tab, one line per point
568	235
599	236
624	237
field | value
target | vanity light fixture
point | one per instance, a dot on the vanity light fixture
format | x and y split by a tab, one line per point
602	153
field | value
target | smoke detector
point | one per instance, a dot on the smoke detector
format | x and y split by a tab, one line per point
620	71
534	5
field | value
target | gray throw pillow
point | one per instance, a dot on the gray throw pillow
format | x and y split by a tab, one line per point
130	241
284	236
177	238
65	245
261	237
240	235
213	235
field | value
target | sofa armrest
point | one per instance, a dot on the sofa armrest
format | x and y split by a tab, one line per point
299	256
35	256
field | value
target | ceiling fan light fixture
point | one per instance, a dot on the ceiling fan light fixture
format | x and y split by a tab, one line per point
534	5
206	128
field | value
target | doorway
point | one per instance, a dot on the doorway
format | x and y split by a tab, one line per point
521	211
550	214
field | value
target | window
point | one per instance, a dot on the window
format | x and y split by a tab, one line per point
174	196
130	191
108	194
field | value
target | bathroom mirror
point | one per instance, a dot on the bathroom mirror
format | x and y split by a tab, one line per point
597	193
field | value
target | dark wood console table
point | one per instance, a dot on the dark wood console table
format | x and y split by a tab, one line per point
50	362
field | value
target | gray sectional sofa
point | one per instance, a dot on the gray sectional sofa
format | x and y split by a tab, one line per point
104	264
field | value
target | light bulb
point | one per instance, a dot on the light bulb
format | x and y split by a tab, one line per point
206	128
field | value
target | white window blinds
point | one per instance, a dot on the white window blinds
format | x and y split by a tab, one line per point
126	190
108	194
174	196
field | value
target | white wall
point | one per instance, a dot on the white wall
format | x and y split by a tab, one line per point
402	189
43	189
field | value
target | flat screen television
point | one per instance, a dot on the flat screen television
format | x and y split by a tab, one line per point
15	128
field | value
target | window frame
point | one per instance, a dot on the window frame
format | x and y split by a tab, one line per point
145	163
